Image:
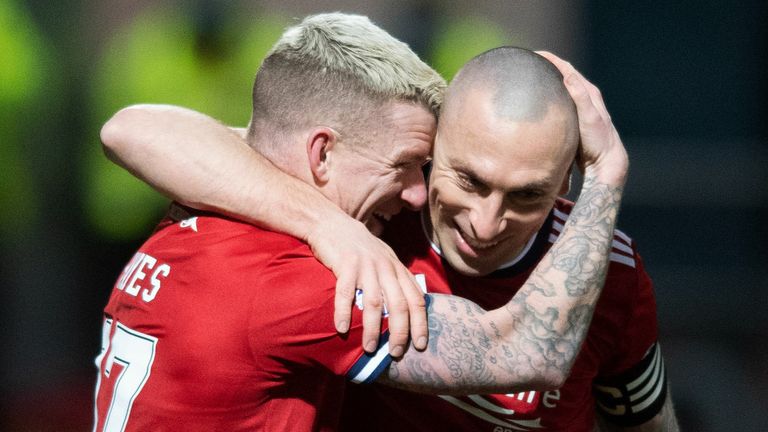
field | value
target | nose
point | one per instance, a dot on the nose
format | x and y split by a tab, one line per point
414	192
486	217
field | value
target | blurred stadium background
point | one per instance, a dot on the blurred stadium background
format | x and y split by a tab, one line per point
685	83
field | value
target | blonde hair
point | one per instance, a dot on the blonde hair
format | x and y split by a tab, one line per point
337	70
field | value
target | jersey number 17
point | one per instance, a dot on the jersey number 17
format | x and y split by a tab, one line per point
124	365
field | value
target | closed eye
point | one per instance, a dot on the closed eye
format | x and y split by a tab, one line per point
470	183
416	163
526	195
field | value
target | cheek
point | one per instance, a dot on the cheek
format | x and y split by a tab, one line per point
527	222
446	197
385	184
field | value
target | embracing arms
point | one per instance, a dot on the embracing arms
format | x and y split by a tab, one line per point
201	163
531	343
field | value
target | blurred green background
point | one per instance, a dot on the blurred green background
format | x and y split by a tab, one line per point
685	84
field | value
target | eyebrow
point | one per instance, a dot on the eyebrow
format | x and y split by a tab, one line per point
542	184
411	155
538	184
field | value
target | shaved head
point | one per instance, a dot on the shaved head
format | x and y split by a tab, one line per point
507	137
524	84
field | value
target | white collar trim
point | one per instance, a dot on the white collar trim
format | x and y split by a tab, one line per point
508	264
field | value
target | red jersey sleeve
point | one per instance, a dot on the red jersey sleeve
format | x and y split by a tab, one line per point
631	386
292	322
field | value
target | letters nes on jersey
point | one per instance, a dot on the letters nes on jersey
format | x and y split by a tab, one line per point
143	276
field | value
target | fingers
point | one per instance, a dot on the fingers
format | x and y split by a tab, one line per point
589	101
585	106
600	147
417	308
364	263
366	278
563	66
574	79
394	289
373	303
344	300
397	306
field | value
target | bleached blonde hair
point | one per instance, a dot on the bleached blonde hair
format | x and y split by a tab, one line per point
338	70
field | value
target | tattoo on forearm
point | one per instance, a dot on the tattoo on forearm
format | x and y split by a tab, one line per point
541	329
581	257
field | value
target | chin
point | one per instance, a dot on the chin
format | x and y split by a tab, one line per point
467	268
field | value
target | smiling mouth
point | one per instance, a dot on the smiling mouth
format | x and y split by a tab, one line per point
475	244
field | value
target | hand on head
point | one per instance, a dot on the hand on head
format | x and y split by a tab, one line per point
600	151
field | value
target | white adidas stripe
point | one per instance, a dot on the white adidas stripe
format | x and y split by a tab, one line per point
557	226
616	244
615	257
655	395
648	386
636	382
622	259
622	247
620	234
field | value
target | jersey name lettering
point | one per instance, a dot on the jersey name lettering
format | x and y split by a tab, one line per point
133	279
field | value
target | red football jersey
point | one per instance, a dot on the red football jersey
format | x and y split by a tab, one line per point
618	371
218	325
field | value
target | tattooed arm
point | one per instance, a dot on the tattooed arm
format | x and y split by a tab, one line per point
532	342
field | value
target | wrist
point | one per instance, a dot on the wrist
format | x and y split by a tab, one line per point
326	224
610	169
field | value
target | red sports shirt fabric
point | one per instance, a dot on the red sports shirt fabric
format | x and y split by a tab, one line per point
623	330
218	325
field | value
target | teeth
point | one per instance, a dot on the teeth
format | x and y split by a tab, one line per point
475	244
383	216
482	246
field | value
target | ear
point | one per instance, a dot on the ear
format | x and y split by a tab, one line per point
320	142
566	186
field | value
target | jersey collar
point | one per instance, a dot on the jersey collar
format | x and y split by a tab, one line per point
509	264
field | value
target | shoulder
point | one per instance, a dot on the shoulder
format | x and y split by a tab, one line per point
214	250
216	234
273	274
628	288
624	322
